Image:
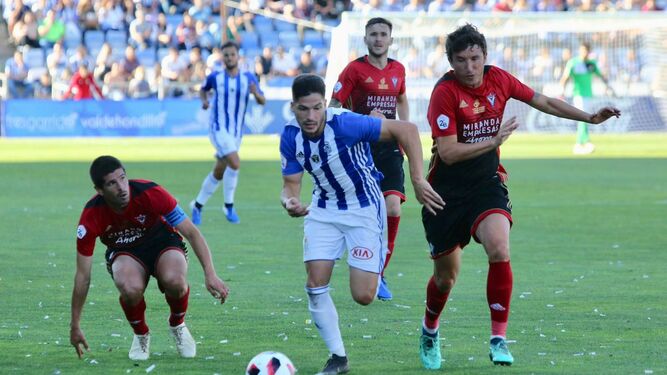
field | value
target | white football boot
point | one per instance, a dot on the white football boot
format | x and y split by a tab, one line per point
185	343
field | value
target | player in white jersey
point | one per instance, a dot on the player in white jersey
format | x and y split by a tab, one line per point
231	91
347	210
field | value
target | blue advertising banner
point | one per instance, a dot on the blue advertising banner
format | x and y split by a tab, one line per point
132	118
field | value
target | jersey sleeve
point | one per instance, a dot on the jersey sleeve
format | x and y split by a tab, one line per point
288	162
517	89
441	113
345	84
253	79
209	83
86	233
356	127
161	201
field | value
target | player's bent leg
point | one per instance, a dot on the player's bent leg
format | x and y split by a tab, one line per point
230	181
171	272
363	285
494	234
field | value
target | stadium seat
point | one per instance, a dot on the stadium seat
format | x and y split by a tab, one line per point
146	57
263	25
34	57
174	19
117	39
93	39
313	38
270	39
289	39
249	40
284	26
280	81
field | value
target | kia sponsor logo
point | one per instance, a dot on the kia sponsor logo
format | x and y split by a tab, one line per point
361	253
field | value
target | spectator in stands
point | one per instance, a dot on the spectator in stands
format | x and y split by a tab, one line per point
205	38
174	70
142	32
264	62
87	16
194	59
651	6
43	86
186	33
436	62
103	62
630	67
502	6
414	6
115	83
214	61
437	6
25	31
68	14
16	71
56	60
80	57
16	12
306	64
179	6
543	64
139	88
283	63
130	62
521	6
111	16
200	11
164	32
51	30
414	65
82	85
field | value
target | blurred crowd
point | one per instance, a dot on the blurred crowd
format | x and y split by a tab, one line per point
121	49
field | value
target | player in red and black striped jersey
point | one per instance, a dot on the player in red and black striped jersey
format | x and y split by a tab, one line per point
139	222
465	114
375	85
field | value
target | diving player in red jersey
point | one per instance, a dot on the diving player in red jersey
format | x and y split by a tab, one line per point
375	84
465	114
139	222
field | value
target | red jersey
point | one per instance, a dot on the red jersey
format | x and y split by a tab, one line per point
142	220
80	87
473	115
362	87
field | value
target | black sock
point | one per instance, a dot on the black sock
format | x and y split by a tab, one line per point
198	205
229	205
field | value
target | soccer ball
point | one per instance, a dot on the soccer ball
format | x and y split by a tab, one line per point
270	363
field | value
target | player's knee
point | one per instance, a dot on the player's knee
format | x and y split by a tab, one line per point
364	298
131	294
445	283
499	253
174	282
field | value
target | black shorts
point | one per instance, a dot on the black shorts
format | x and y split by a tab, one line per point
147	254
391	167
457	222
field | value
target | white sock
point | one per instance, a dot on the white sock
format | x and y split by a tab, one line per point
325	316
208	187
229	181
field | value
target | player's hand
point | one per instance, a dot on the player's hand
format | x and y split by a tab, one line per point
253	88
377	114
78	341
431	200
604	114
295	208
204	105
506	129
217	288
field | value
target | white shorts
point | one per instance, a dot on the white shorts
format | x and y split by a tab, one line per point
328	233
224	143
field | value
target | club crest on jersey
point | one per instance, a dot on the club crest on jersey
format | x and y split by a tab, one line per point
477	107
383	85
492	99
80	232
315	158
369	80
338	86
141	218
394	80
443	122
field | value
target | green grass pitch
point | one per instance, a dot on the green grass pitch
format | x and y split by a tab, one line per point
588	253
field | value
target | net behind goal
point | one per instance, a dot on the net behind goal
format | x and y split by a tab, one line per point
631	50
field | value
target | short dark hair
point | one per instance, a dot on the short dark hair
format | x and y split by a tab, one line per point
586	45
230	43
379	20
463	38
306	84
101	167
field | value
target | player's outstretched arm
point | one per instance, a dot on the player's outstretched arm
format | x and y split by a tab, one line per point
203	96
407	135
79	294
562	109
259	98
214	284
289	196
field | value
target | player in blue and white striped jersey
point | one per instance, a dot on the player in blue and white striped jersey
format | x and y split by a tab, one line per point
347	210
231	92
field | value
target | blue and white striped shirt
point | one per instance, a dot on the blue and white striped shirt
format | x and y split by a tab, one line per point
230	100
339	161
